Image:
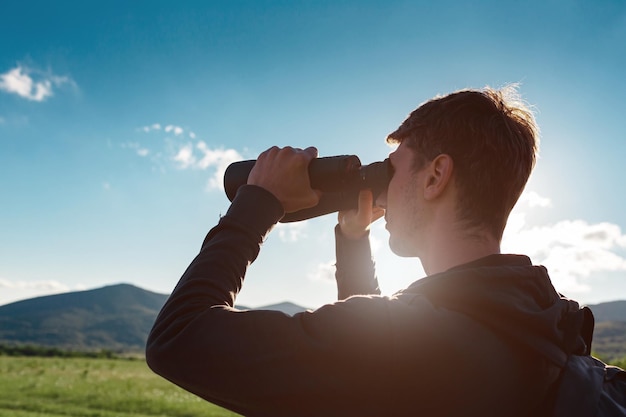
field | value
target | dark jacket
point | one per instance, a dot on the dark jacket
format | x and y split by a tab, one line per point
464	342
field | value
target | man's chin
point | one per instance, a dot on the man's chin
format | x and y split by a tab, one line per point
400	248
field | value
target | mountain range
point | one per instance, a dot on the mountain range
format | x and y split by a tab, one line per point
119	318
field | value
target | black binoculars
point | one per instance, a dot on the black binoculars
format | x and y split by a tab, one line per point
339	178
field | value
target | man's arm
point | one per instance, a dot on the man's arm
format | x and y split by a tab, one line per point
355	270
265	362
355	273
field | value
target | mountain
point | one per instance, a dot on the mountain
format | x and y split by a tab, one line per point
609	336
119	318
611	311
116	317
286	307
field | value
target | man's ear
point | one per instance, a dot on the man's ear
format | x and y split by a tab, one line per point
438	176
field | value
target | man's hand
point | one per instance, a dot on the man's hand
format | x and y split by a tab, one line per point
284	172
355	223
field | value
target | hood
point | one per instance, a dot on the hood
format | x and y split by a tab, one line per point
516	299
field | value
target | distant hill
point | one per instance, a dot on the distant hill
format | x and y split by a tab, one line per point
611	311
609	337
609	340
116	317
119	318
286	307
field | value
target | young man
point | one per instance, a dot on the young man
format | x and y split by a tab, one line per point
467	340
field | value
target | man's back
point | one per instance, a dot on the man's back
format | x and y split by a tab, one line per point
461	342
409	354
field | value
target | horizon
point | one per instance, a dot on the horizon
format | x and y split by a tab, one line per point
237	305
120	284
118	120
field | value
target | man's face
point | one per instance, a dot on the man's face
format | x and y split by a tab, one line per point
404	204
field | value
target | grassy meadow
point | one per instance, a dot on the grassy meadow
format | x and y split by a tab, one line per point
95	387
87	387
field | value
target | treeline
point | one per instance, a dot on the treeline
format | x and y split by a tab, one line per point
619	362
45	351
611	361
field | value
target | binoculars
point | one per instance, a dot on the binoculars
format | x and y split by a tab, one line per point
339	178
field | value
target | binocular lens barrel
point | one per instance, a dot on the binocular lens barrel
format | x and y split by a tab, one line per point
340	178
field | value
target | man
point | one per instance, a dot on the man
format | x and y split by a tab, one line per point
467	340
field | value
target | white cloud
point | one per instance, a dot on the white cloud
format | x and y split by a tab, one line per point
141	151
219	159
2	120
574	251
291	232
177	130
208	158
185	157
154	126
19	81
532	199
50	285
20	290
193	154
324	272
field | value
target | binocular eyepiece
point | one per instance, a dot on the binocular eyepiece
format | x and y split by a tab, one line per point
340	178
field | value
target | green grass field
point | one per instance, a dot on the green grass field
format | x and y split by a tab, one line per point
86	387
81	387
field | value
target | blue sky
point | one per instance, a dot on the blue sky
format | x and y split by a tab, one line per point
117	120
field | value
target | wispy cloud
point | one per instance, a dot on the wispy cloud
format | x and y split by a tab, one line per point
136	146
533	199
11	290
324	272
185	157
2	120
155	126
185	151
291	232
201	156
574	251
217	159
31	84
50	285
177	130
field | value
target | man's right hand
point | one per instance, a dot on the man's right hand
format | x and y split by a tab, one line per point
354	224
284	172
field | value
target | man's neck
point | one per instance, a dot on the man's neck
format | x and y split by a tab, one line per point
447	250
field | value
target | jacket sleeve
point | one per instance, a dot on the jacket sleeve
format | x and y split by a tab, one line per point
265	363
355	270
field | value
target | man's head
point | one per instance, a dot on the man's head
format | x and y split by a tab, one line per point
492	139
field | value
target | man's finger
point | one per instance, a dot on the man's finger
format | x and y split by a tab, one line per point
311	150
